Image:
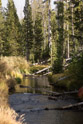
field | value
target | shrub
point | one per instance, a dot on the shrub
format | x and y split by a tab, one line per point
76	68
57	67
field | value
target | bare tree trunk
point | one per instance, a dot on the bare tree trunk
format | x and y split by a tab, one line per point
73	26
68	47
49	31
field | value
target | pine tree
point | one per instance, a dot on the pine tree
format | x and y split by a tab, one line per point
28	28
58	64
1	29
12	30
78	21
38	34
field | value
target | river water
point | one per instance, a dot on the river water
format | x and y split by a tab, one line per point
32	103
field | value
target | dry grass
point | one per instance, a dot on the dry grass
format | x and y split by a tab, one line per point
10	68
13	66
3	93
9	116
3	86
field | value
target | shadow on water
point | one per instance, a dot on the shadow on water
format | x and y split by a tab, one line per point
31	102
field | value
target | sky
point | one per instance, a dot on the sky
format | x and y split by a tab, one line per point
20	6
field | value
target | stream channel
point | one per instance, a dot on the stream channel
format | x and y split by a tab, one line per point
32	100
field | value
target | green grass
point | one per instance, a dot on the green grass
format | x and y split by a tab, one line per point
69	83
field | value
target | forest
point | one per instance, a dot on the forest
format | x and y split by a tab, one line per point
45	38
45	34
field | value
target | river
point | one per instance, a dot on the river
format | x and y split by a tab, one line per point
33	100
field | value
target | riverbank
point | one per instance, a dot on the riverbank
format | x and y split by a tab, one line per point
7	115
11	73
65	82
12	70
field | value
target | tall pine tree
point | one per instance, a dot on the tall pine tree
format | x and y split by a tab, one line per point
11	30
1	29
38	34
28	29
58	64
78	21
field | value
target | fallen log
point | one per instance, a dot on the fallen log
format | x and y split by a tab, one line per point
70	92
55	94
71	106
68	107
52	98
40	71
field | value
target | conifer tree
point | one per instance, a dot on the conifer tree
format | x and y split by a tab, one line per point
12	29
1	29
38	34
28	29
78	21
58	64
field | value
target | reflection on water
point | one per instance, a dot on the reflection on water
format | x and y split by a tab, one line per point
37	84
27	101
32	104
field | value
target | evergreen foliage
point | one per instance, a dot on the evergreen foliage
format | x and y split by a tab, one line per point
60	41
76	69
78	20
38	37
28	29
12	26
1	29
43	29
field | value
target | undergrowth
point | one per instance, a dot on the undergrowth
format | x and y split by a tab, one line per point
11	72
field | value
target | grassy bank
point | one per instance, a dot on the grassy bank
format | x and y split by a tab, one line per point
7	115
11	72
72	77
13	66
65	81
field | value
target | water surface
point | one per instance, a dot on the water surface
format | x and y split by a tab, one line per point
32	103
